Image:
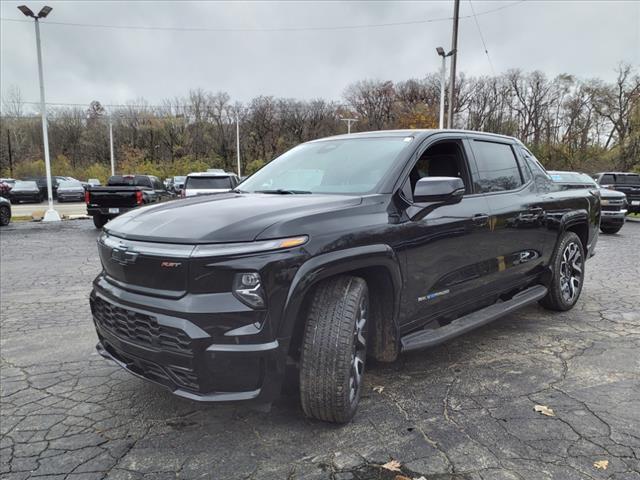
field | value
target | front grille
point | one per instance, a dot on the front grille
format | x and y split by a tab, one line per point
611	208
139	328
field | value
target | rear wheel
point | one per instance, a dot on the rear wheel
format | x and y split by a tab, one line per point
5	215
99	221
334	349
568	274
610	230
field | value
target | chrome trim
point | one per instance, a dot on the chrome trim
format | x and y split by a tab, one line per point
173	250
255	347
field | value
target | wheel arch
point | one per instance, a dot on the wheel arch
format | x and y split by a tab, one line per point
378	266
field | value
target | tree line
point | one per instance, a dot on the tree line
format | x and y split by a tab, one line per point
569	123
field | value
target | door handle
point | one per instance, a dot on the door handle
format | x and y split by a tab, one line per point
480	219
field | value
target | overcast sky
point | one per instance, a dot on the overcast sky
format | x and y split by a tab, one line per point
584	38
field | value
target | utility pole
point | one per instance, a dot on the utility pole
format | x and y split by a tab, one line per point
454	49
10	154
113	160
50	215
349	121
238	141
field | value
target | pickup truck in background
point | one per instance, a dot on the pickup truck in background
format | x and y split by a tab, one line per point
121	194
627	183
342	249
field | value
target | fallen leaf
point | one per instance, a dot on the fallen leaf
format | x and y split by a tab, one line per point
420	478
378	389
544	410
401	477
601	464
392	466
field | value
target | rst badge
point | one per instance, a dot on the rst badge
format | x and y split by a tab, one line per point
170	264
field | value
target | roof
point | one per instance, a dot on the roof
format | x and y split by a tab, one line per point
210	174
420	133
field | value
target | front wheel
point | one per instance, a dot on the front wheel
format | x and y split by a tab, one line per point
5	215
568	274
99	221
610	230
334	349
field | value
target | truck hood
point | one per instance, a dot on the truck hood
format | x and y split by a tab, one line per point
227	217
609	193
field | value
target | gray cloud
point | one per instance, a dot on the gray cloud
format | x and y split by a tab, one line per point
587	39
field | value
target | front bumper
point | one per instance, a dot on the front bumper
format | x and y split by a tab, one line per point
609	217
178	354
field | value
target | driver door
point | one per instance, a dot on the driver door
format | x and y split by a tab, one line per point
448	249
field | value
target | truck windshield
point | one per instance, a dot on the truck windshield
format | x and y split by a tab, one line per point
354	165
204	183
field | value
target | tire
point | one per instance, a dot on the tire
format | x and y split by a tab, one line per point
334	349
5	215
99	221
610	230
568	274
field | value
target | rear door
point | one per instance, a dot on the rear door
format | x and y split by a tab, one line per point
517	222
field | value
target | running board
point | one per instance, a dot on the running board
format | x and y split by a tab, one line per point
432	337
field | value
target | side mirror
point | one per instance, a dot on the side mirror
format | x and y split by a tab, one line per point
445	190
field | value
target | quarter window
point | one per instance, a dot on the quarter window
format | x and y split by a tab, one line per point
497	167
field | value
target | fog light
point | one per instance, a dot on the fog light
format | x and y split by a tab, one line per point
248	289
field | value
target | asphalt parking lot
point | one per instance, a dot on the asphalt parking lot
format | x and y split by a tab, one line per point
464	410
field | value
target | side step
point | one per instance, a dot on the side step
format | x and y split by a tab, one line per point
432	337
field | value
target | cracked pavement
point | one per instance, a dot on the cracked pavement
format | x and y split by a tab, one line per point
463	410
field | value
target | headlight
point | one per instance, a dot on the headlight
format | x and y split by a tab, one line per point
604	202
247	288
222	249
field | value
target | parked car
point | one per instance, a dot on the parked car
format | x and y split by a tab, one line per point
202	183
123	193
176	184
5	211
6	184
94	182
70	190
348	247
627	183
42	184
613	203
26	191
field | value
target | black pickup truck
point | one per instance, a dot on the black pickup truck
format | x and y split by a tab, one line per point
123	193
627	183
342	249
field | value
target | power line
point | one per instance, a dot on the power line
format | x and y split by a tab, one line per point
484	44
264	29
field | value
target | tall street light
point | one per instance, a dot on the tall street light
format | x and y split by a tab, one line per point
443	80
51	215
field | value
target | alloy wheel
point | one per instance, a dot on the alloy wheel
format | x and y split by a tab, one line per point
359	353
571	272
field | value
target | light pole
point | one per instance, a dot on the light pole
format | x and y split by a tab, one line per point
113	161
349	121
50	215
238	141
443	80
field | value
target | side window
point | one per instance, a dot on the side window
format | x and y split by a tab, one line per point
497	167
444	159
543	182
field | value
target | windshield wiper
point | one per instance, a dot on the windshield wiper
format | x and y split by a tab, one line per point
281	191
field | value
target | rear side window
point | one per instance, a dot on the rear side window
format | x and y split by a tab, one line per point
497	167
129	181
205	183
